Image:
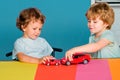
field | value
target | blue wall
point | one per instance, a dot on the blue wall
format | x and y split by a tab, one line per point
65	26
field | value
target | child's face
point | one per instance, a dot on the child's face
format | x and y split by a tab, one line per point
32	30
96	26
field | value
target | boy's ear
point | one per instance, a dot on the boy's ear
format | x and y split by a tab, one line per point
22	27
106	24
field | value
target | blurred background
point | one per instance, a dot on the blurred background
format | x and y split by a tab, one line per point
65	26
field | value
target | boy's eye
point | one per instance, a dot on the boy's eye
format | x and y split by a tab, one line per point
89	21
40	29
34	28
95	21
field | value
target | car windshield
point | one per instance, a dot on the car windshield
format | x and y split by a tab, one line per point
77	56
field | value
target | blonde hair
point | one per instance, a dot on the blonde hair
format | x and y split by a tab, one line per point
103	11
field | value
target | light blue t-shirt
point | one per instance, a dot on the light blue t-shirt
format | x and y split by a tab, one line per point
110	51
35	48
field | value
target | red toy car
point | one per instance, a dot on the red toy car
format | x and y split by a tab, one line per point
52	62
77	58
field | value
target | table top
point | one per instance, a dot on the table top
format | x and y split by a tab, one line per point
96	69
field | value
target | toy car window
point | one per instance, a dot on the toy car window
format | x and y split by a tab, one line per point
77	56
52	60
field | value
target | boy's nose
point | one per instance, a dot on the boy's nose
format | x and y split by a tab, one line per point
38	32
90	24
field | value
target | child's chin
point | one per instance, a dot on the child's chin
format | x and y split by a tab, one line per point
34	38
92	32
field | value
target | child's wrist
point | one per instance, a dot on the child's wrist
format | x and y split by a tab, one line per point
40	60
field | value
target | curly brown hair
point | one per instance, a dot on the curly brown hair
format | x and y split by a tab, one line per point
28	15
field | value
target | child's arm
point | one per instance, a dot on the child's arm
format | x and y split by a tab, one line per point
25	58
90	48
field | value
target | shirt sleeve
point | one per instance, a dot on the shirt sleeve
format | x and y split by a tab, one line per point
108	35
48	48
18	47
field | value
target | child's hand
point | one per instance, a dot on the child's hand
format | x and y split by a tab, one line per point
45	58
69	55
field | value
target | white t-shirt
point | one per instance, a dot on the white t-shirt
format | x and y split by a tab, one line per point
35	48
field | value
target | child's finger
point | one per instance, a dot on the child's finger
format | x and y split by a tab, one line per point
70	57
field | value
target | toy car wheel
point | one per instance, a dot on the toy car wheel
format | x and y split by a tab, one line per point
48	64
68	63
56	64
85	61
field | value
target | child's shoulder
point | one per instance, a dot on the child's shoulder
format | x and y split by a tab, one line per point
108	35
18	40
41	38
107	32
